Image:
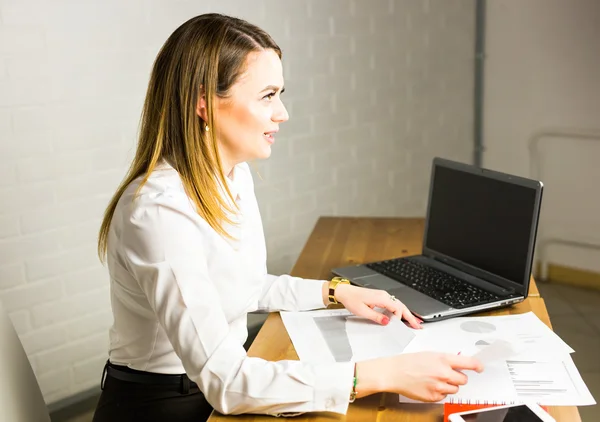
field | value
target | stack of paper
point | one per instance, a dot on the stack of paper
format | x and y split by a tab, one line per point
524	360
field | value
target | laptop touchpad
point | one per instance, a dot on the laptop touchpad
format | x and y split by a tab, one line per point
358	273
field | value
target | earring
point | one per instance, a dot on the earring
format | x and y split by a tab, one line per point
206	128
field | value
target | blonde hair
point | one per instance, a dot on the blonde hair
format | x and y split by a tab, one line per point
204	56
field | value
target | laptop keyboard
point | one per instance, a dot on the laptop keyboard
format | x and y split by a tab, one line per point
434	283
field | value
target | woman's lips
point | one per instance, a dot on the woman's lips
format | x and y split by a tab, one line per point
270	136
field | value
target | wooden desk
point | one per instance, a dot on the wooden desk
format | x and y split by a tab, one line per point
336	241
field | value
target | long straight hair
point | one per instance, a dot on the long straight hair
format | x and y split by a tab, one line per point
204	56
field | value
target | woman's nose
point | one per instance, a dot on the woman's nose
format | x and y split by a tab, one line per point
280	115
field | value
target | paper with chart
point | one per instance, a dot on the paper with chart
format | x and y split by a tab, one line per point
525	335
552	383
524	360
338	336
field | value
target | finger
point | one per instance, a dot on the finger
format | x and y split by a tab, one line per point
460	362
409	317
367	312
384	300
393	305
401	311
445	389
456	378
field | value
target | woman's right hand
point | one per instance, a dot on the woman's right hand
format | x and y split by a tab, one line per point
424	376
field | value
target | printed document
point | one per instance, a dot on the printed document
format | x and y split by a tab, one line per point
524	359
528	336
339	336
553	383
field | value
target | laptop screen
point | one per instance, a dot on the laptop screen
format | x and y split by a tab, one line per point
482	221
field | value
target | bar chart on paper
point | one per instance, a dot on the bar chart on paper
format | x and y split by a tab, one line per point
337	335
333	329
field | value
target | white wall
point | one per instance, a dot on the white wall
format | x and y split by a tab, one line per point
375	89
542	74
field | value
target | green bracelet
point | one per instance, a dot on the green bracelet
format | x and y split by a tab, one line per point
355	380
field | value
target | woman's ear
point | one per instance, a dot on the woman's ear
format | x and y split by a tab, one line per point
201	105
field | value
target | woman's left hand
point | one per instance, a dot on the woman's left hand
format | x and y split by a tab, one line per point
361	301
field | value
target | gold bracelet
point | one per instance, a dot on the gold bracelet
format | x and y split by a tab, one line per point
335	281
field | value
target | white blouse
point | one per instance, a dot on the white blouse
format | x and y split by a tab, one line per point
181	293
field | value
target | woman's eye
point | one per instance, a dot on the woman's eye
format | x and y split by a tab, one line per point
269	96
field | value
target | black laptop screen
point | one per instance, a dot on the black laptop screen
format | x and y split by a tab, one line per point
482	222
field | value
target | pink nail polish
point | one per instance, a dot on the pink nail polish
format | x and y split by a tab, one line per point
385	321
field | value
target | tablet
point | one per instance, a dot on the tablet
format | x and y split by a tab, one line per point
509	413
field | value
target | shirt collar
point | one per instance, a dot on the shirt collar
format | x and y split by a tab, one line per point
234	185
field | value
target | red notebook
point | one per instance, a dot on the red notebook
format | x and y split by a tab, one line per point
450	408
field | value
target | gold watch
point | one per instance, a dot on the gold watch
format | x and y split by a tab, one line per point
335	281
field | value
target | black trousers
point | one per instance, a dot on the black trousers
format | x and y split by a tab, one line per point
149	401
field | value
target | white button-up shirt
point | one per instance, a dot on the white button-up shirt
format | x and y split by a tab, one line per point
181	293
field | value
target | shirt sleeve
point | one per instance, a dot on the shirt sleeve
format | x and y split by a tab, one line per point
163	241
287	293
284	293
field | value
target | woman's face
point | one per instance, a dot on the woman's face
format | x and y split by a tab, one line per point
249	117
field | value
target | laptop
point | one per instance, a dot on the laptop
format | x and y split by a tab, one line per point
478	245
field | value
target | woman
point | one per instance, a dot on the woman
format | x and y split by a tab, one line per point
186	254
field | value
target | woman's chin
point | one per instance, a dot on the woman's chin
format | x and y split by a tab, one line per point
265	152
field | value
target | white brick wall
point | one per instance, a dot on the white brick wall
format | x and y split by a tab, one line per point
375	89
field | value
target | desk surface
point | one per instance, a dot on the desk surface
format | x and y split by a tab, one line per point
338	241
